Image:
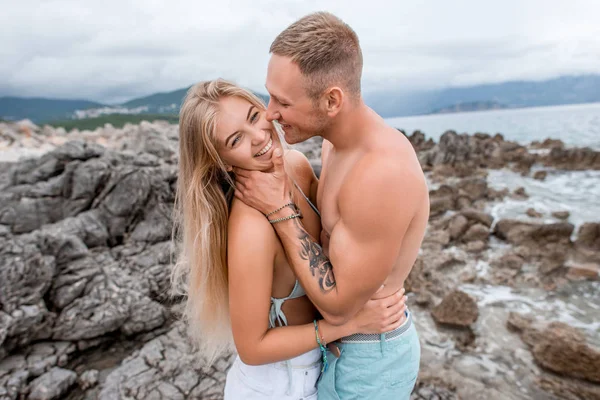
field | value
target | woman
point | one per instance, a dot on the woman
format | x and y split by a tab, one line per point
237	279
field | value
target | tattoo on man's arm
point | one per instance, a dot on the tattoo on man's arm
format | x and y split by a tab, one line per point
319	264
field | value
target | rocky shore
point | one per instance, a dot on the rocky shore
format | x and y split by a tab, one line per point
507	308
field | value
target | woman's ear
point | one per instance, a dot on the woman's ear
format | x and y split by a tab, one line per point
228	168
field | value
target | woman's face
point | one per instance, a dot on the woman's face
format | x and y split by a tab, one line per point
245	139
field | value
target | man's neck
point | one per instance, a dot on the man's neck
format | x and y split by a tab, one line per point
351	127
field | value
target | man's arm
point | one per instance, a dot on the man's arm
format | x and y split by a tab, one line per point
376	205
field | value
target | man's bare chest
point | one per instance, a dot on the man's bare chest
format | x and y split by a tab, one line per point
333	176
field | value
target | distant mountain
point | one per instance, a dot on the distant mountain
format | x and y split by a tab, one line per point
470	106
40	109
167	102
159	102
563	90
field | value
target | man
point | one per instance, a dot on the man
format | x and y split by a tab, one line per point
372	196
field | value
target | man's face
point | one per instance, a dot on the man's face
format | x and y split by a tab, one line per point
290	104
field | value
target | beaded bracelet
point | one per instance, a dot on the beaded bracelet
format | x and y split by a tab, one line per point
274	221
321	347
281	208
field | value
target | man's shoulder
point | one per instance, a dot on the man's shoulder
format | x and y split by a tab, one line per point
385	170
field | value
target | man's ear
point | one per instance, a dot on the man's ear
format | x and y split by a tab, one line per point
334	98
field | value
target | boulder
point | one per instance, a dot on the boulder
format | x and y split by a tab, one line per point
562	349
477	216
531	212
525	233
52	385
588	236
520	193
457	309
562	215
573	159
540	175
509	261
476	232
458	226
167	368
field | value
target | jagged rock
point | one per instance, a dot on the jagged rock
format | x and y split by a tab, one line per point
520	193
456	309
476	246
573	389
474	188
25	274
458	225
417	139
510	261
548	144
478	216
166	368
540	175
88	379
438	206
563	215
531	212
521	233
589	236
562	349
445	261
436	238
433	389
476	232
52	385
573	159
552	262
589	271
517	322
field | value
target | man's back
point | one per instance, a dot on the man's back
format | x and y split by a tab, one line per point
341	170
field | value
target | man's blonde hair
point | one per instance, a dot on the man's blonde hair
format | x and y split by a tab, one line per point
327	51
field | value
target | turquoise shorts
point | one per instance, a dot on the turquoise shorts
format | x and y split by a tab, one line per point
374	370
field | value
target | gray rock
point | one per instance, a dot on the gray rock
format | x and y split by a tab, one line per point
91	316
476	232
457	309
156	227
52	385
88	379
166	368
145	316
562	215
458	226
72	279
478	216
24	276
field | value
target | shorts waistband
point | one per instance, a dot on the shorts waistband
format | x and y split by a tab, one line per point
375	337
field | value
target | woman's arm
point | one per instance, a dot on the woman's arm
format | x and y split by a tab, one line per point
252	246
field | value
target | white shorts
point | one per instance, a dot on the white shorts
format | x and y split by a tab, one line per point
271	381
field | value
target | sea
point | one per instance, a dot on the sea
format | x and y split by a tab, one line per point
577	192
576	125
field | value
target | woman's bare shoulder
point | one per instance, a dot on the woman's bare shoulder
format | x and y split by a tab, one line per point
299	166
248	227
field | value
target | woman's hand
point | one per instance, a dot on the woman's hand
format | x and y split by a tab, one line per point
381	315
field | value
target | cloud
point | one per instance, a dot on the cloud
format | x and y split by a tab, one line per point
115	50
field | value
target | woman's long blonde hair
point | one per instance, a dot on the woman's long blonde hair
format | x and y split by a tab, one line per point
204	190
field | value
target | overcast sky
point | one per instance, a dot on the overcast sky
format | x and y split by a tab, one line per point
111	50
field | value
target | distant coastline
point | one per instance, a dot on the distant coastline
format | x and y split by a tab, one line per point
470	106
